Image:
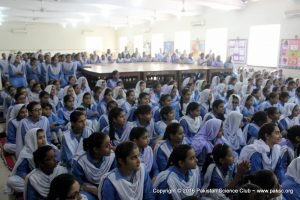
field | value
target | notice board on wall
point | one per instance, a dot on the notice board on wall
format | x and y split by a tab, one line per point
290	53
237	48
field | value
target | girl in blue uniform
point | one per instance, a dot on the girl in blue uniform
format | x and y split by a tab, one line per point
251	129
17	72
167	115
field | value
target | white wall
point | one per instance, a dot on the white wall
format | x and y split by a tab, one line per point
237	22
53	37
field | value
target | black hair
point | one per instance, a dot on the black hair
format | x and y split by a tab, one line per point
46	105
260	118
271	110
156	84
19	89
268	129
31	105
137	133
114	72
129	92
253	195
43	93
255	91
142	110
114	113
272	95
229	93
95	140
163	98
183	92
165	111
96	89
75	115
283	95
171	130
60	186
266	179
191	107
86	94
40	154
142	95
219	151
123	150
179	153
67	98
17	95
107	91
275	89
293	132
215	106
110	104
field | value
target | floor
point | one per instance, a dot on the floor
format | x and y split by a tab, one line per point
4	173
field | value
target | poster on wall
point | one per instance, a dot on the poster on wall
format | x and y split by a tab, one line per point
198	46
237	48
169	46
290	53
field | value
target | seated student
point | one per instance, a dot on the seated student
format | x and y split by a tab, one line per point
96	94
220	92
53	100
34	92
140	87
9	99
256	93
233	104
17	72
105	97
129	180
265	152
57	125
191	122
19	99
173	136
267	180
44	97
34	139
217	111
65	111
219	172
292	181
65	186
233	132
103	120
290	145
180	107
72	138
251	129
96	160
144	99
209	135
59	90
291	87
271	101
34	120
129	103
37	184
165	100
77	91
199	87
118	129
181	172
167	115
205	102
18	113
119	95
247	108
84	85
143	118
90	108
156	94
273	115
218	62
283	99
173	92
139	136
232	84
290	116
112	83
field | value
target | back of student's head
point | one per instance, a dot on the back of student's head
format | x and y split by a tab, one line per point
250	191
60	187
171	130
191	107
95	140
179	153
75	115
165	111
265	179
266	129
293	134
137	132
142	110
260	118
271	111
42	94
40	154
283	95
113	114
46	105
229	93
123	150
272	95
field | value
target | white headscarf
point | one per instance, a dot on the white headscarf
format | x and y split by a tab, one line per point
80	99
66	91
87	87
215	81
167	90
15	111
244	99
204	96
101	96
229	105
288	109
116	92
100	82
49	88
138	88
238	87
232	130
198	85
293	170
185	82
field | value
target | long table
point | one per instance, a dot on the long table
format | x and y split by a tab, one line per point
131	73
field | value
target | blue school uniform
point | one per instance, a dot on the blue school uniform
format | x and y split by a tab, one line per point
256	165
103	122
112	83
24	168
188	133
17	80
247	112
252	132
155	97
64	114
12	127
264	105
44	69
161	157
101	107
32	194
156	113
177	108
32	73
126	106
217	182
108	189
291	184
132	110
89	109
69	69
53	118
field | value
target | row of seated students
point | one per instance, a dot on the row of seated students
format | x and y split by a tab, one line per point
205	136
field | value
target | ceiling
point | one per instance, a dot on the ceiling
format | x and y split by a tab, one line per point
114	13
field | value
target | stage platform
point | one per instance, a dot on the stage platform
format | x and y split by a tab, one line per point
131	73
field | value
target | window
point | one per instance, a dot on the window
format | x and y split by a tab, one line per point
182	41
216	42
264	45
157	43
138	43
93	43
123	43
